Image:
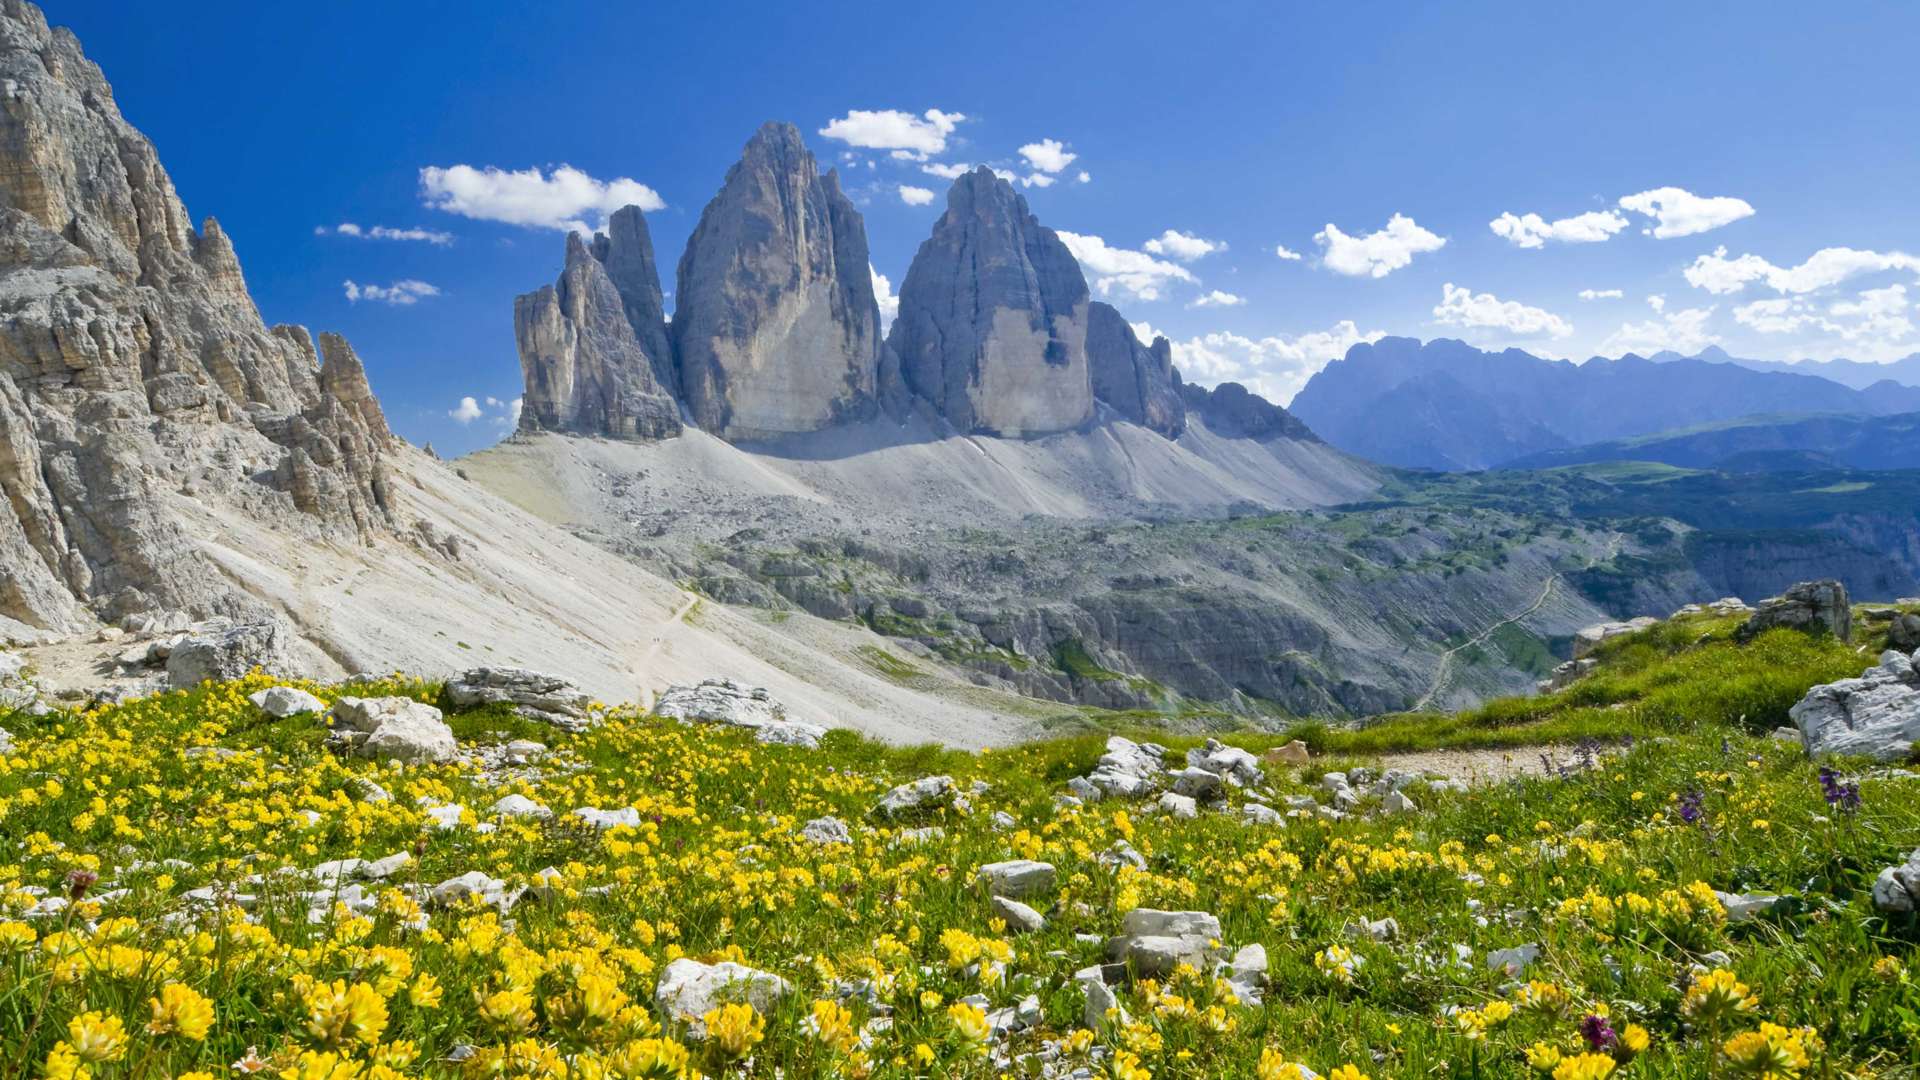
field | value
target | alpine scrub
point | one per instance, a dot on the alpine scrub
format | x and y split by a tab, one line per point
178	899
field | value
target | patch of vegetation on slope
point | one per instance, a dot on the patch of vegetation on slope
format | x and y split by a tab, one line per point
203	941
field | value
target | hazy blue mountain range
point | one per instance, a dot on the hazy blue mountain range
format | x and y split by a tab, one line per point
1859	374
1449	406
1761	444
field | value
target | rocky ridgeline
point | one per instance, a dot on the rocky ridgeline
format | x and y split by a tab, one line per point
135	369
776	329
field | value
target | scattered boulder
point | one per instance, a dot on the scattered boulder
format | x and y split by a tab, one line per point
458	890
1743	906
1897	889
626	816
1566	674
1396	802
1876	715
537	696
1589	638
392	729
918	797
1019	917
1179	807
1017	878
519	806
827	830
281	702
1128	769
1261	814
1247	973
1513	962
689	989
1294	753
1903	632
723	701
1812	606
1232	764
1153	943
1199	784
229	653
1100	999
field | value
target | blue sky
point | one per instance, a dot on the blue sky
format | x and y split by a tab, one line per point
1767	129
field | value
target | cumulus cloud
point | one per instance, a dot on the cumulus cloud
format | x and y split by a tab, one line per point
1376	254
1876	319
1534	231
1041	180
1048	155
1721	275
1216	298
1657	302
1121	271
467	411
1463	307
915	196
383	232
883	295
1679	212
946	171
1602	294
1085	177
909	137
1185	247
400	293
1683	331
1275	367
1285	253
566	198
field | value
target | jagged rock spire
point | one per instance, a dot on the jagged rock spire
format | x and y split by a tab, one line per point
775	326
1137	380
992	327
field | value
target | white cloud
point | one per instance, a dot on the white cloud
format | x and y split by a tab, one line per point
1036	180
1873	324
1376	254
1085	177
1216	298
563	199
467	411
1534	231
915	196
514	408
946	171
400	293
1464	307
1048	155
1602	294
1275	367
382	232
910	137
1679	212
883	295
1683	331
1720	275
1285	253
1657	302
1134	274
1185	247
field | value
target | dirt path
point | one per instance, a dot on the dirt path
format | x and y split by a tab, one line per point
660	634
1443	671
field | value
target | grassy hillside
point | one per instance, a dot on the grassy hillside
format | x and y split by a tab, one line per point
1609	867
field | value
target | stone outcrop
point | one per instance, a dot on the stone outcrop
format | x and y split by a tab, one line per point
1232	410
229	652
1876	715
533	694
723	701
588	369
1137	380
775	325
1812	606
993	317
136	371
1897	889
392	729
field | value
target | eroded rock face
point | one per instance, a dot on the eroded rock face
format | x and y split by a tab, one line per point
1138	381
993	317
1812	606
135	369
1876	715
588	369
775	326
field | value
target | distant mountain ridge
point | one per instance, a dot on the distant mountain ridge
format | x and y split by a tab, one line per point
1761	444
1449	406
1859	374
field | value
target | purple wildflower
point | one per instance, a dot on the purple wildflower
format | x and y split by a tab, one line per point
1691	810
1842	796
1598	1032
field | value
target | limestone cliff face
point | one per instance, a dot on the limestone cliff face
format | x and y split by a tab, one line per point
993	316
775	326
1138	381
135	369
626	250
587	370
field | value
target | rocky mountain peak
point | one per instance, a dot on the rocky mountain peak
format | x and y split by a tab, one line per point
588	369
993	316
135	369
1137	380
775	326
